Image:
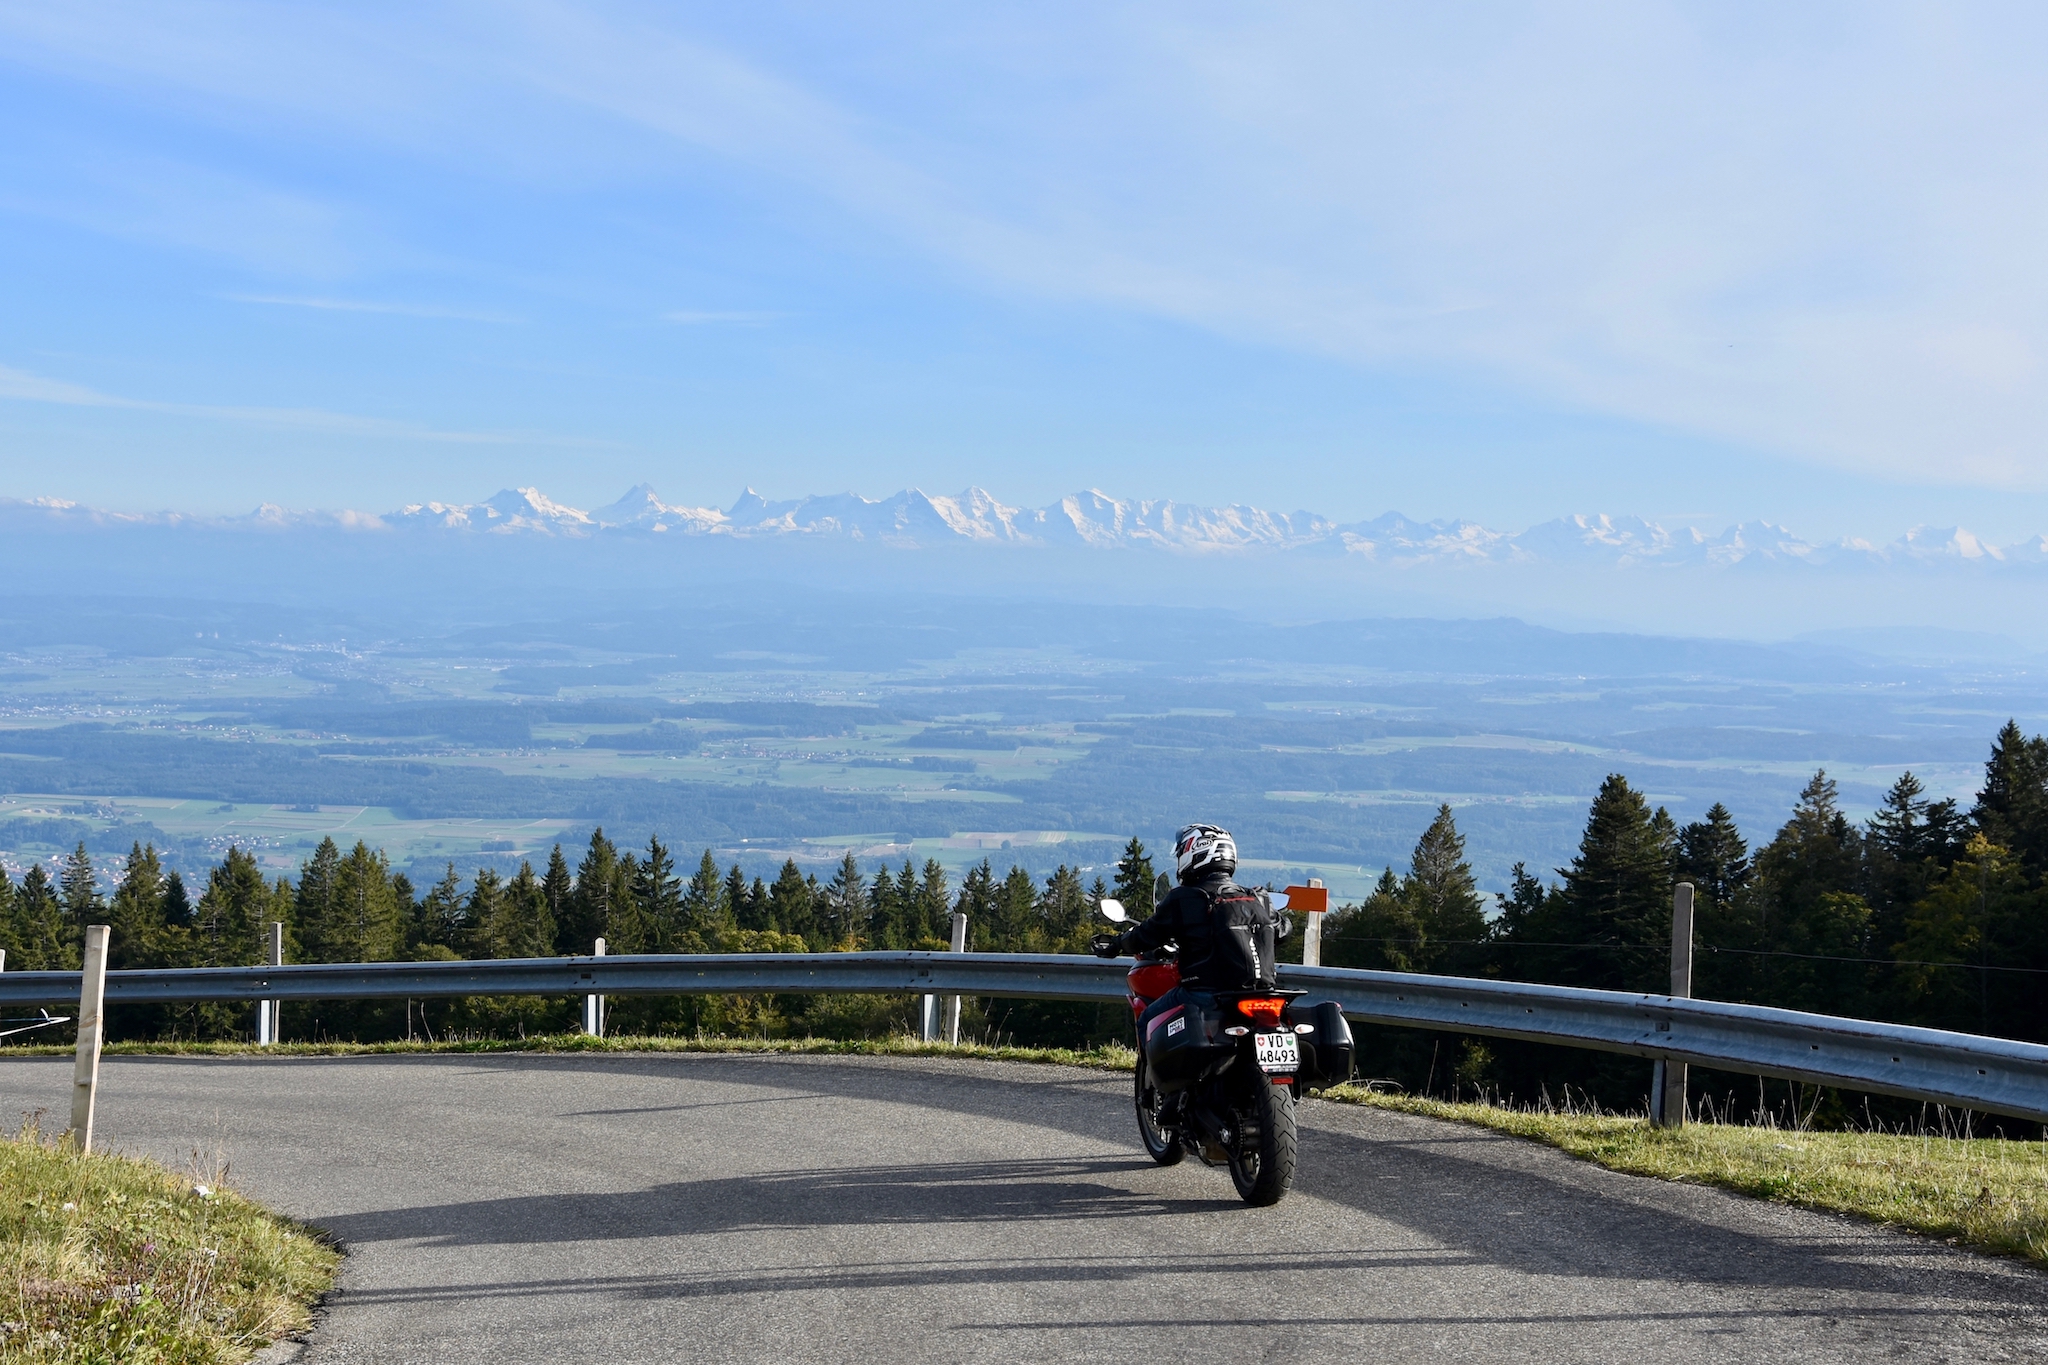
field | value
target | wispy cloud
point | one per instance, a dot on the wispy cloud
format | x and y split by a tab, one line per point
703	318
1815	236
22	386
409	310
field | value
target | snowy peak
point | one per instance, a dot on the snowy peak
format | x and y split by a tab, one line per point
914	519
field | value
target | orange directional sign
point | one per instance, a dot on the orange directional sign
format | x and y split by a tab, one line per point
1314	899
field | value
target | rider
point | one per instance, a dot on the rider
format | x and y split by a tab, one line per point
1225	932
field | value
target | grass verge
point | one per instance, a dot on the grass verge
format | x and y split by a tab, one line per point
115	1259
1986	1193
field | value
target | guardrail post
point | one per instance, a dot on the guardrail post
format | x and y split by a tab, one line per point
953	1001
267	1010
593	1005
85	1072
1667	1083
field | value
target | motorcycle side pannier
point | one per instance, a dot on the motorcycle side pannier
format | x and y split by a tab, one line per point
1181	1040
1326	1054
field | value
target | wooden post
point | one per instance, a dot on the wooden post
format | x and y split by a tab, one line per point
267	1010
593	1005
1312	931
953	1001
1668	1082
85	1074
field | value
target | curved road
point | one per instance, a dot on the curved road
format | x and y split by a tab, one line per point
620	1208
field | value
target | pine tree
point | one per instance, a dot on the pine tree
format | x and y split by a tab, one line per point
659	894
315	910
438	918
1907	843
626	929
1809	905
365	922
2012	808
885	913
934	905
177	911
1013	914
790	908
1614	910
42	941
141	937
577	931
1444	899
840	907
738	904
977	901
1136	883
483	914
558	889
232	914
522	925
1064	908
81	892
704	913
1524	900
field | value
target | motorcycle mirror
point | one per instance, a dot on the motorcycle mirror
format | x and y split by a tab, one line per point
1113	911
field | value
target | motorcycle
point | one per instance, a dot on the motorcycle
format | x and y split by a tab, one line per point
1219	1073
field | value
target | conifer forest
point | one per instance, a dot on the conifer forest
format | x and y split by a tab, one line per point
1927	912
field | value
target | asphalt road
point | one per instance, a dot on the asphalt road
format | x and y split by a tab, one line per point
613	1209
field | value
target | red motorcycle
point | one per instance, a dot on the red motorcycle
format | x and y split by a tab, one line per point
1218	1073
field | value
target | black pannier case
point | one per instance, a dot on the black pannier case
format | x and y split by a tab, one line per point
1325	1053
1181	1040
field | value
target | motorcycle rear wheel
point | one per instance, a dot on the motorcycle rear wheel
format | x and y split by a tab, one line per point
1262	1158
1161	1144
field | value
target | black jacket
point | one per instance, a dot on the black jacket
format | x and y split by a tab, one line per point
1225	933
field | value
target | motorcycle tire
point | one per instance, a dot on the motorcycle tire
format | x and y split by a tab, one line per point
1262	1158
1161	1144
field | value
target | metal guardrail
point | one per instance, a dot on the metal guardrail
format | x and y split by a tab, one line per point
1960	1069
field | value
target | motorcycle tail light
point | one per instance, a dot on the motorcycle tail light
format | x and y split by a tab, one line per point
1262	1010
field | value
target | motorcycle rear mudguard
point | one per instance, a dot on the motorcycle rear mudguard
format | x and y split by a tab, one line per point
1326	1053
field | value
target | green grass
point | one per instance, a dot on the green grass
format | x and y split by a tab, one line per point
107	1259
1986	1193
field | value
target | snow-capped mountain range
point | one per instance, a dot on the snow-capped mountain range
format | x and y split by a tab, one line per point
914	519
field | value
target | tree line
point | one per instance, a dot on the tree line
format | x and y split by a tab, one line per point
352	907
1925	913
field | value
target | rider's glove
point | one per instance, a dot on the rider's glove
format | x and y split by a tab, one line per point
1106	945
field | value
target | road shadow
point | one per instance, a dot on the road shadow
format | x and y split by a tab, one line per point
1003	1192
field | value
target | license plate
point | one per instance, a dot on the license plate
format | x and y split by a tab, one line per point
1276	1051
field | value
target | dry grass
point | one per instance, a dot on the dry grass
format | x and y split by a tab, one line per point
107	1259
1986	1193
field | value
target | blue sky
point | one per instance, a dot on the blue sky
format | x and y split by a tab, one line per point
1699	263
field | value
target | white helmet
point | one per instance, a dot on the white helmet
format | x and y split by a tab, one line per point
1202	851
